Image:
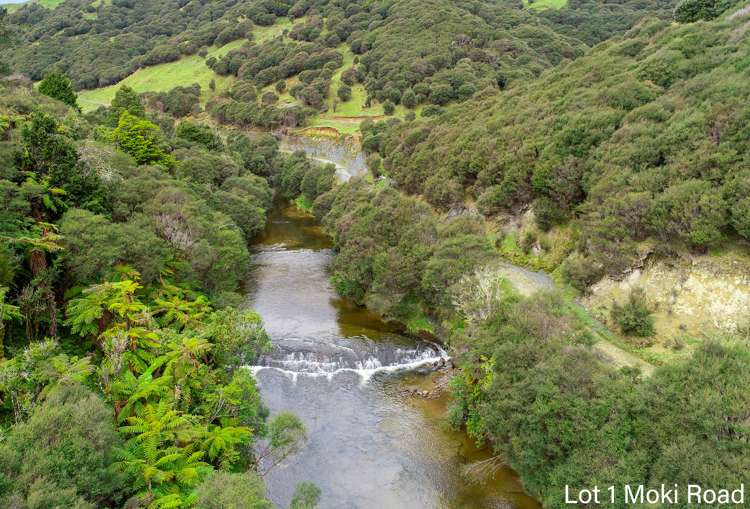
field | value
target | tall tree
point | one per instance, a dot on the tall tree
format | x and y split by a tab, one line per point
126	99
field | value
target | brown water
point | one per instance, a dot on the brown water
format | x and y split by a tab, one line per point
343	371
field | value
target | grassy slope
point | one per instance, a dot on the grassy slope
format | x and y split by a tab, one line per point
183	72
50	4
546	4
347	115
192	69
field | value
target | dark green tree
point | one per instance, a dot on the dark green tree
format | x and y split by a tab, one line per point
126	99
409	99
56	85
68	442
344	92
688	11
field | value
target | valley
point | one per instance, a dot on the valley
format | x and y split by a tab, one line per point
402	253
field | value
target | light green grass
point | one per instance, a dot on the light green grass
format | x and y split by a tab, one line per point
262	34
303	203
346	116
50	4
420	324
160	78
183	72
545	4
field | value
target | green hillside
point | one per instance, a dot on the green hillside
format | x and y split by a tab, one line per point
162	78
183	72
640	143
545	4
454	52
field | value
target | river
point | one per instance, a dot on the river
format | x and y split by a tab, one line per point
343	372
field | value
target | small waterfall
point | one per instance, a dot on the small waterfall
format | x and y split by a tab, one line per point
359	355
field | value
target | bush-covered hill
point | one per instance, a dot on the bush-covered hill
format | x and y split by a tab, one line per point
643	138
593	21
99	43
454	48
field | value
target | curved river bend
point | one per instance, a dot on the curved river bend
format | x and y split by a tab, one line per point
343	371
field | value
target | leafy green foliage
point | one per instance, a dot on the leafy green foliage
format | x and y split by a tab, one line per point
392	254
56	85
240	491
297	176
110	40
199	134
68	442
178	102
306	496
126	99
634	316
637	139
182	417
689	11
238	337
95	246
344	93
171	405
531	390
141	139
47	153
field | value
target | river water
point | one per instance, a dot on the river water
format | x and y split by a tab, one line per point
343	372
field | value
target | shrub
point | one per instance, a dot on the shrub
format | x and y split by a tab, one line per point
580	272
239	491
634	317
126	99
693	210
269	98
345	93
198	133
409	99
547	213
689	11
58	86
67	444
432	111
140	138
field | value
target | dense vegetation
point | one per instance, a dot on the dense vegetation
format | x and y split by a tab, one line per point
643	140
122	246
113	39
529	384
455	48
531	389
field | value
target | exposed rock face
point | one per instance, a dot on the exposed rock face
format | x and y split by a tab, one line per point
692	295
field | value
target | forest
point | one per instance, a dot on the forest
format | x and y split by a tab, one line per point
121	258
620	128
